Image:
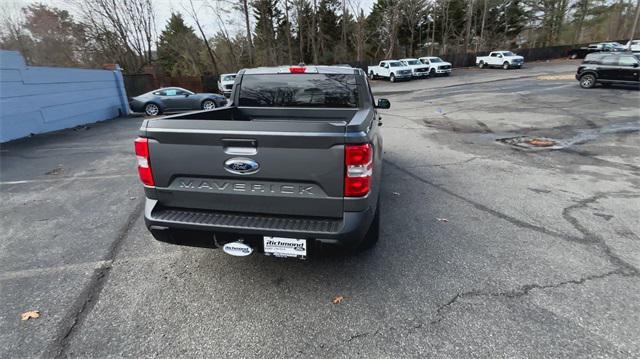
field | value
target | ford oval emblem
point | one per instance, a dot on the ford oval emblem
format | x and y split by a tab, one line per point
241	166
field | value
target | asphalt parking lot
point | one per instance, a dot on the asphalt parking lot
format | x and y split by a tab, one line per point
489	247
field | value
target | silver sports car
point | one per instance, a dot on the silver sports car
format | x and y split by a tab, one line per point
175	99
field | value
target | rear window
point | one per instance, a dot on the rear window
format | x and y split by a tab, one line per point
299	90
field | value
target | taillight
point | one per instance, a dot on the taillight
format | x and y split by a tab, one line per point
144	167
358	160
297	69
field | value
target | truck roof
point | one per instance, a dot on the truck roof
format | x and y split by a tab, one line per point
309	69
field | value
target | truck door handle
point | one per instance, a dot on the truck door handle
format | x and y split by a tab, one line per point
240	146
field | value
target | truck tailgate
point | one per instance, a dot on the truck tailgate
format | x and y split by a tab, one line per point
301	165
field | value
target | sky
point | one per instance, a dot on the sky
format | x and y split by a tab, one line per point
164	8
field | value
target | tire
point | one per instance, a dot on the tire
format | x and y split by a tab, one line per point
208	105
505	65
481	65
432	72
392	78
587	81
372	76
151	109
373	233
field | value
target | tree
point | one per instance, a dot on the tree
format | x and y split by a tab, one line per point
267	15
328	30
413	11
180	49
193	12
46	36
125	30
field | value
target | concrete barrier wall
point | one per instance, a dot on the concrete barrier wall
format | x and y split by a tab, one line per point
42	99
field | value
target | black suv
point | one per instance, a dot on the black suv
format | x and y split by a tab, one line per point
608	68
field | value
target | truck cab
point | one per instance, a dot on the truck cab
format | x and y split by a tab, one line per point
503	59
437	66
390	69
225	83
418	69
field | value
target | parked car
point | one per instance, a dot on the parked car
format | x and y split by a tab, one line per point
582	52
390	69
436	65
609	68
633	46
292	165
225	83
504	59
175	99
418	69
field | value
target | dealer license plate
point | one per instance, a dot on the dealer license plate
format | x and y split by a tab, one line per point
285	247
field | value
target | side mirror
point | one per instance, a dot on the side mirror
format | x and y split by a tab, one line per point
383	103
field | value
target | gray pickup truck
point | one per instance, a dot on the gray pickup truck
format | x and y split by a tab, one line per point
291	166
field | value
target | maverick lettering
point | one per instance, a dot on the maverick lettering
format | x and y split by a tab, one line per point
246	187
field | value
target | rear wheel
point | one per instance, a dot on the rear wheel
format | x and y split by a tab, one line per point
151	109
208	105
481	65
372	76
392	78
505	65
432	72
373	234
587	81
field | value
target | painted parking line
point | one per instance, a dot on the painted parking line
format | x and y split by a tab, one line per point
58	179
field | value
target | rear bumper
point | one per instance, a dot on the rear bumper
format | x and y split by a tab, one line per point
347	231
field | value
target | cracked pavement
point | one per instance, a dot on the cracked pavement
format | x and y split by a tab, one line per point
539	255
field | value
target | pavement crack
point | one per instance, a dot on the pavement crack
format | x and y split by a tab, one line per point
361	335
522	291
88	297
586	237
589	237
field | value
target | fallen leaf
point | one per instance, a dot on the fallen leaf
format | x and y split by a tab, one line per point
338	299
31	314
443	220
